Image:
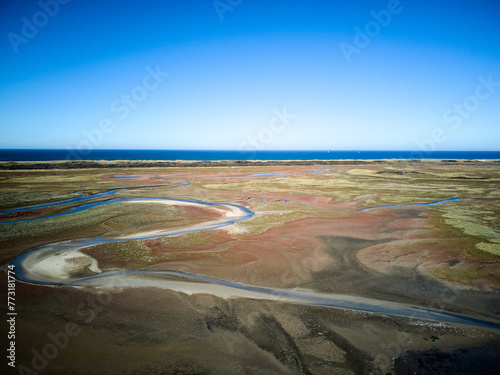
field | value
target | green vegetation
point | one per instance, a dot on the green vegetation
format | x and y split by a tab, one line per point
467	229
186	241
465	274
133	254
113	215
276	214
372	187
471	222
489	248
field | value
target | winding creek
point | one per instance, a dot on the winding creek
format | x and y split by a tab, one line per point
411	205
82	198
58	262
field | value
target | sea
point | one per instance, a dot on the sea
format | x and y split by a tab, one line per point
172	155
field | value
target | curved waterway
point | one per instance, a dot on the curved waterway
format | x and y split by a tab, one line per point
58	263
411	205
82	198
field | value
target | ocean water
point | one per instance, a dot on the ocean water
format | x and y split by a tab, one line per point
171	155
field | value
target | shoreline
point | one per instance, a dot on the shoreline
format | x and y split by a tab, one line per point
89	164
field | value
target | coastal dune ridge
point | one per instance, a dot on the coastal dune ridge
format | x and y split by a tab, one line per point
84	164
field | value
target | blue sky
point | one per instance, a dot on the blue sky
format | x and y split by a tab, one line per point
231	74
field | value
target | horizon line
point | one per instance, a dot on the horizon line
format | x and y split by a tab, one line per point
241	151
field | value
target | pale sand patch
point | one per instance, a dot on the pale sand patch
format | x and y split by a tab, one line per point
63	265
235	229
229	213
278	212
186	287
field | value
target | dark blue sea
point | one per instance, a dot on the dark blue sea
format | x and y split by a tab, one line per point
170	155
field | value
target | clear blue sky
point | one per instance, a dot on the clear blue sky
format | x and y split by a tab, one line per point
94	74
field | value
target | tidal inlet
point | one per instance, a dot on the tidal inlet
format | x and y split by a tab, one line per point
366	267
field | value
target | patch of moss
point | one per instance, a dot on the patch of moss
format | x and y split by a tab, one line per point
461	274
465	274
468	221
490	248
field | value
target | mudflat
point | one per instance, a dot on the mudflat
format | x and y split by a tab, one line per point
351	267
